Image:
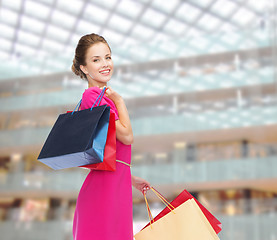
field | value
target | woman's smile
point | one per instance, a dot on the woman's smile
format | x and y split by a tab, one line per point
105	72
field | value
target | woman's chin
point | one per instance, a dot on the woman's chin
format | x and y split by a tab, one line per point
102	80
106	80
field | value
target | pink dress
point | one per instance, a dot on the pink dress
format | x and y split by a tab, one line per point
104	205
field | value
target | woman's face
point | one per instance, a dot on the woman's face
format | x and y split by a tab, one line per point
99	64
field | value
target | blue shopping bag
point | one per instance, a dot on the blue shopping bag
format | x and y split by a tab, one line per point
77	138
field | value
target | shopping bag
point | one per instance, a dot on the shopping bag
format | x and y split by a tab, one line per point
186	221
109	161
183	197
77	138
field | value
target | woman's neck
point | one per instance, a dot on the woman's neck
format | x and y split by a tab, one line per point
93	83
97	85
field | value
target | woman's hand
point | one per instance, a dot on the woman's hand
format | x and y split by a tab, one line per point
140	184
113	95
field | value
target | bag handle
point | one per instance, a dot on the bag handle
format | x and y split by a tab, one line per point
162	198
78	105
99	96
148	210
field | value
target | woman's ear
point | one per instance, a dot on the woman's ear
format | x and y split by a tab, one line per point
84	69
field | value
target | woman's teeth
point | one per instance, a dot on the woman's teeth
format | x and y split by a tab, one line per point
105	72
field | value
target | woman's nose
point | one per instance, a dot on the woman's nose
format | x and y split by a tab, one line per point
105	62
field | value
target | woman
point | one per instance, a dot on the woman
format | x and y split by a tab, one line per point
104	205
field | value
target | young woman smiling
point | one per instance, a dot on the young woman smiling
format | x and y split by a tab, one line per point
104	205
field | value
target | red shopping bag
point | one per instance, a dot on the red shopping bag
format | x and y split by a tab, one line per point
109	161
183	197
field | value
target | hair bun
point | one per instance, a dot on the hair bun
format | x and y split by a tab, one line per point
76	69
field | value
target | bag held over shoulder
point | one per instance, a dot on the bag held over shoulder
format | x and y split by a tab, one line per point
77	138
109	161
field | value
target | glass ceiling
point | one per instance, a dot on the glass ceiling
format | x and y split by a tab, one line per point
40	36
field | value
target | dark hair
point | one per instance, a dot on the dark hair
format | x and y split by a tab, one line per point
84	44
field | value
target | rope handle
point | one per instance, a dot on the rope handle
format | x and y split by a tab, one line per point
99	98
78	105
163	199
148	210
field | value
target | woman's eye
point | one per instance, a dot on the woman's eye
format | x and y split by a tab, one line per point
109	58
95	60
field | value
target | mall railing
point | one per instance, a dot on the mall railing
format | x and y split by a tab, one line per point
186	122
28	230
221	208
179	171
214	171
243	206
167	84
209	120
251	226
242	227
60	180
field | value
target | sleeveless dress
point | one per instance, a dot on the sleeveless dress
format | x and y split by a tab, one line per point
104	204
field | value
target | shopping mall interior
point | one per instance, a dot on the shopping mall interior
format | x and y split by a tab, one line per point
200	83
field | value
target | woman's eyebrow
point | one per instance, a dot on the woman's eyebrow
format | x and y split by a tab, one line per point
99	56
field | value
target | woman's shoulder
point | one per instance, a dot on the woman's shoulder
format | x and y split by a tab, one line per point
92	90
90	95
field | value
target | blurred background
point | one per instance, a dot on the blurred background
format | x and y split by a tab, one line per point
199	80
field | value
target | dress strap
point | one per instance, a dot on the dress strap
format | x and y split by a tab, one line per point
127	164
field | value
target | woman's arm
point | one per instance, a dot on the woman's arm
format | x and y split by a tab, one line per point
124	132
140	184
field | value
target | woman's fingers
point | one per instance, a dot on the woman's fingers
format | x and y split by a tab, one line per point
145	189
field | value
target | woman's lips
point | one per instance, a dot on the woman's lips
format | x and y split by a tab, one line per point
105	72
